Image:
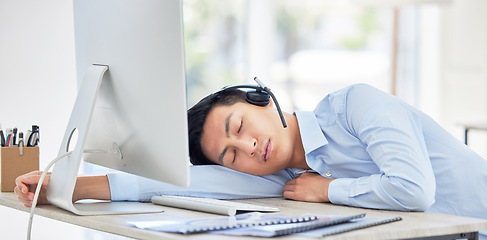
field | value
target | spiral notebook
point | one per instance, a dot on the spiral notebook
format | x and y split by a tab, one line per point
322	222
351	225
247	222
321	227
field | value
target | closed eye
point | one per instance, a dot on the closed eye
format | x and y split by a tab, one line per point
234	156
238	131
240	128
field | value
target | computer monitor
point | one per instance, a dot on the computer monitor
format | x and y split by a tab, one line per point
130	113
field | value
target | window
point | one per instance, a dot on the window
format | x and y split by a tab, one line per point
301	49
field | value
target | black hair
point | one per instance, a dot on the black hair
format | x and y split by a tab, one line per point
197	117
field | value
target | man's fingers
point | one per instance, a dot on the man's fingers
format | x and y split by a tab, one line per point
26	185
291	182
288	195
33	179
28	182
24	182
36	172
25	199
19	182
288	187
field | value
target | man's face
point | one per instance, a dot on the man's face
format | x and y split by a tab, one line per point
247	138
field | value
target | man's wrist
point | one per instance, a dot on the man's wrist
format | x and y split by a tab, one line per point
91	187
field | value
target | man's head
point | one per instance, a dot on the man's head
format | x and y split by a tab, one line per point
225	129
197	116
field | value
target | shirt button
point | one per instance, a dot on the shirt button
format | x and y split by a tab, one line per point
328	174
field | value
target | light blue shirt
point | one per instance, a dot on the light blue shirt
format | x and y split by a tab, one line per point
381	152
386	154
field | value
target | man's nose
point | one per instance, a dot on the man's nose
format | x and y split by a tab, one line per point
249	146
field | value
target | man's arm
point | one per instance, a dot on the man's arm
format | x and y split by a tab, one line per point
392	134
206	181
87	187
210	181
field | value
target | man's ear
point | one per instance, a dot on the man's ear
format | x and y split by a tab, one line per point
271	103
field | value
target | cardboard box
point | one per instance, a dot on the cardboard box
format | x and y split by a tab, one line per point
12	164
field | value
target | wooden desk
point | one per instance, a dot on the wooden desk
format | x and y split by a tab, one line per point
413	225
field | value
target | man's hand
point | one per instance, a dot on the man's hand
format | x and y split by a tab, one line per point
308	187
26	187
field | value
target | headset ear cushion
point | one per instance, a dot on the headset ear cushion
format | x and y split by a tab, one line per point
259	98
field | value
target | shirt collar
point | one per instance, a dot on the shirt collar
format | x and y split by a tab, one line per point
311	134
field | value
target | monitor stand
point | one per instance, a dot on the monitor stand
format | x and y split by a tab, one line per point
65	171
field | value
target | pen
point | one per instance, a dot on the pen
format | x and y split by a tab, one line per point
2	137
14	137
38	135
9	133
21	143
27	137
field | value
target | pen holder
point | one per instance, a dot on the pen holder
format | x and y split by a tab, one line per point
15	161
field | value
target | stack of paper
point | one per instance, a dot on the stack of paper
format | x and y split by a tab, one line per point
266	225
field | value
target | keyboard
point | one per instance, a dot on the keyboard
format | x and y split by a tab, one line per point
210	205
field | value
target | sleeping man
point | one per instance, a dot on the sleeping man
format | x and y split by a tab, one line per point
359	147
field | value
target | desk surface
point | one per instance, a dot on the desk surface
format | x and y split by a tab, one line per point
413	225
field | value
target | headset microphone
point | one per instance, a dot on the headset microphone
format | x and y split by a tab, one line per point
260	96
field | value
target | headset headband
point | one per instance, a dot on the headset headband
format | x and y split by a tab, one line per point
260	89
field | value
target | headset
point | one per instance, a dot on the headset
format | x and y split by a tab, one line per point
259	96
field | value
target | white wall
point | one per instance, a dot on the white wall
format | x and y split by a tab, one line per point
38	86
37	71
464	69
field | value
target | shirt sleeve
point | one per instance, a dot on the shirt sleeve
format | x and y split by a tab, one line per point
210	181
392	134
